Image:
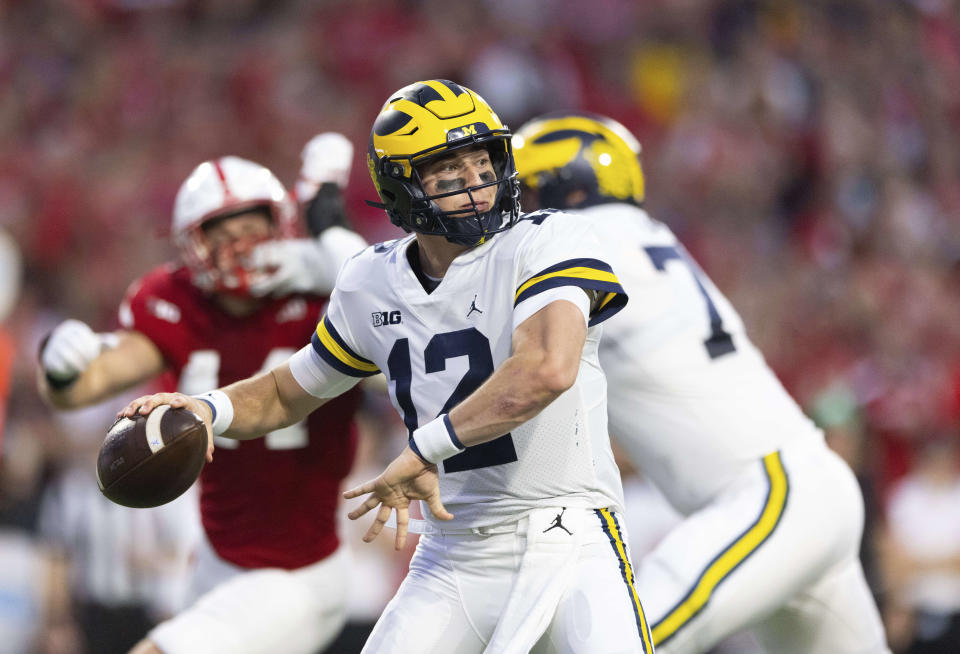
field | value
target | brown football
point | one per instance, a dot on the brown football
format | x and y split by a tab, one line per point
150	460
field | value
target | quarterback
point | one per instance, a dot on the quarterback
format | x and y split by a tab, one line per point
270	573
773	518
486	323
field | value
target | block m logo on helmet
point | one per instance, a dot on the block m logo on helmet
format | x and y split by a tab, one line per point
466	130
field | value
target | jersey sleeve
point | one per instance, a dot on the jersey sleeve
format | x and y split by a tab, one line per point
330	364
148	309
317	377
332	342
565	252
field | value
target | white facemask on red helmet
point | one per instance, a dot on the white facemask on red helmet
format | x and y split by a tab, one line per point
219	187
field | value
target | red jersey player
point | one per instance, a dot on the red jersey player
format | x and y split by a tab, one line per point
268	505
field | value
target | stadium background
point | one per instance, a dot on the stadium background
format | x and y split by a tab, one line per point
806	152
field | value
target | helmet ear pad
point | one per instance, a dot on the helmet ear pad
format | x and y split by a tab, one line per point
570	187
406	197
508	193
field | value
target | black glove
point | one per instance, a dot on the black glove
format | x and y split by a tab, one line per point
326	209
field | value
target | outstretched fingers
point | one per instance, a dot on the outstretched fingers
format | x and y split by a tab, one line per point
368	505
403	520
437	508
382	516
360	490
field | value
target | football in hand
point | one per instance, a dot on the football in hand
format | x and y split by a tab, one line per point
150	460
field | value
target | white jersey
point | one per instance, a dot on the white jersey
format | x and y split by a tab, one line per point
691	399
437	348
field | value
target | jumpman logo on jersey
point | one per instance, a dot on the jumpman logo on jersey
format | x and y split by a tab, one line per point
557	524
473	307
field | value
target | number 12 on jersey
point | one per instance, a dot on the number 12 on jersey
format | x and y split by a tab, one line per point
476	347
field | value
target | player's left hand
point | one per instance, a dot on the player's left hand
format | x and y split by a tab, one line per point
406	478
144	404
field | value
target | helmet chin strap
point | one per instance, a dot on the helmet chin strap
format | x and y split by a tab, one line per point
470	230
473	228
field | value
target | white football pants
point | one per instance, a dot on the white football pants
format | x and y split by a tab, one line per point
776	551
559	581
263	611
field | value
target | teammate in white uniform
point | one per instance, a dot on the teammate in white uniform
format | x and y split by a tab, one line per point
773	517
481	322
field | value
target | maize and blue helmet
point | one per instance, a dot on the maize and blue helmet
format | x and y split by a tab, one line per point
571	161
428	120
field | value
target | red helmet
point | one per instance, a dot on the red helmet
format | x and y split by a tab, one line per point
219	188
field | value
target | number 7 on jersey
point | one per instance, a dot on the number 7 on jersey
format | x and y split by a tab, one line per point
719	342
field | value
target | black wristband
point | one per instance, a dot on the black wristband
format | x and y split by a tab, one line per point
58	384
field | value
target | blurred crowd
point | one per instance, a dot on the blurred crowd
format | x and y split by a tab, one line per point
807	152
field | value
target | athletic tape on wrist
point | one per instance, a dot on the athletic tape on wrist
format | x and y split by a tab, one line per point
436	440
222	409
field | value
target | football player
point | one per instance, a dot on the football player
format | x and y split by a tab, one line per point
486	324
270	574
773	518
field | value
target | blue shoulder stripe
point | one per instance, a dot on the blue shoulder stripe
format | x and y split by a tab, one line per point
590	274
328	343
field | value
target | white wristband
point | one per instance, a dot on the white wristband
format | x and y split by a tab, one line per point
436	440
222	409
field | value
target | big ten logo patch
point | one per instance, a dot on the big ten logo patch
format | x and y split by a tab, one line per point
381	318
